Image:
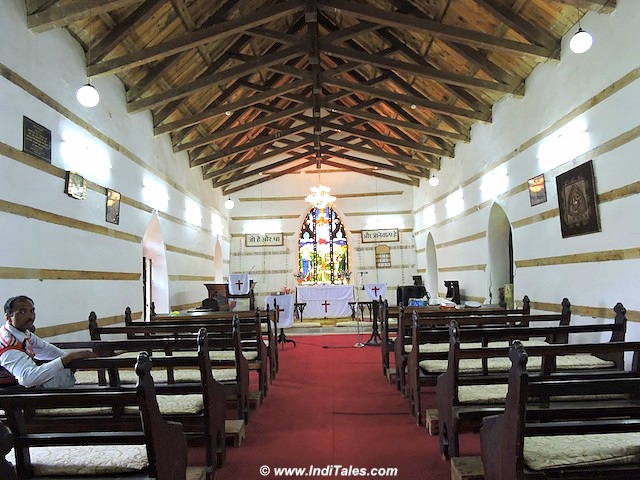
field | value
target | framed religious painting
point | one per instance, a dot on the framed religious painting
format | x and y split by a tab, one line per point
537	190
577	201
113	206
75	186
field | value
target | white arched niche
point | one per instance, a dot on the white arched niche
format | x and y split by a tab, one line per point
500	261
218	263
155	261
432	267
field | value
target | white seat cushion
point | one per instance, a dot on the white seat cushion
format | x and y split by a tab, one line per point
581	450
86	459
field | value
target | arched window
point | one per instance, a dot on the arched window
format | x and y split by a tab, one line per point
323	248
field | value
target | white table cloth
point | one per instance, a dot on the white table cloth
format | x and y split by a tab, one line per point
326	301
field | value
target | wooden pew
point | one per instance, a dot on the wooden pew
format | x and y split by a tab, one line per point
197	401
259	348
529	441
178	372
151	430
432	328
403	341
388	331
6	444
474	383
225	346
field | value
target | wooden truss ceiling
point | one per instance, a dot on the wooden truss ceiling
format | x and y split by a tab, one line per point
253	90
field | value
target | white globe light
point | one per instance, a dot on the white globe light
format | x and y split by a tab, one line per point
88	96
229	204
581	41
434	181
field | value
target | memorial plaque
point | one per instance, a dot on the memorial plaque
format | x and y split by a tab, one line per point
36	140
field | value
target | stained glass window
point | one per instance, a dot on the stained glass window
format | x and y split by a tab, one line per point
323	253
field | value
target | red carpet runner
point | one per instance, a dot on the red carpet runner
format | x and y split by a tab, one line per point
331	408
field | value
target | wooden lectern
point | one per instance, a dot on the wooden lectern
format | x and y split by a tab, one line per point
223	289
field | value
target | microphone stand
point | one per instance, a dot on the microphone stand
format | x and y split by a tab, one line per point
359	343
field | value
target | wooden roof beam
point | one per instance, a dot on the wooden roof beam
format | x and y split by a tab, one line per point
395	167
205	35
373	117
61	15
518	24
229	132
437	30
413	69
373	173
413	146
226	152
376	152
601	6
240	173
408	100
214	79
266	178
231	107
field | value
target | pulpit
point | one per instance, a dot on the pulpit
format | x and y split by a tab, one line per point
223	289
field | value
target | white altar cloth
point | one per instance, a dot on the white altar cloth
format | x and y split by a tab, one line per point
285	307
325	301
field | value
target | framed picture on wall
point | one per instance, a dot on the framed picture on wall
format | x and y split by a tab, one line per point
537	190
577	201
113	206
75	186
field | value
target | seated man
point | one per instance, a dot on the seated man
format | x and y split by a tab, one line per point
27	359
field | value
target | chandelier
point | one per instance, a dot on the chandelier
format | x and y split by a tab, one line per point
320	197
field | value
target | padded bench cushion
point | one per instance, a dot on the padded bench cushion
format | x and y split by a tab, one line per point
547	452
86	459
483	394
180	375
580	361
168	404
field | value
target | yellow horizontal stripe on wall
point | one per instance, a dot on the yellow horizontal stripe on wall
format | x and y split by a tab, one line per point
606	256
367	214
53	218
458	241
601	96
66	328
16	273
464	268
266	216
56	106
586	311
44	216
191	278
189	253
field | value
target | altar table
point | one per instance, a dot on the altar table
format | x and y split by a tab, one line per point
325	301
